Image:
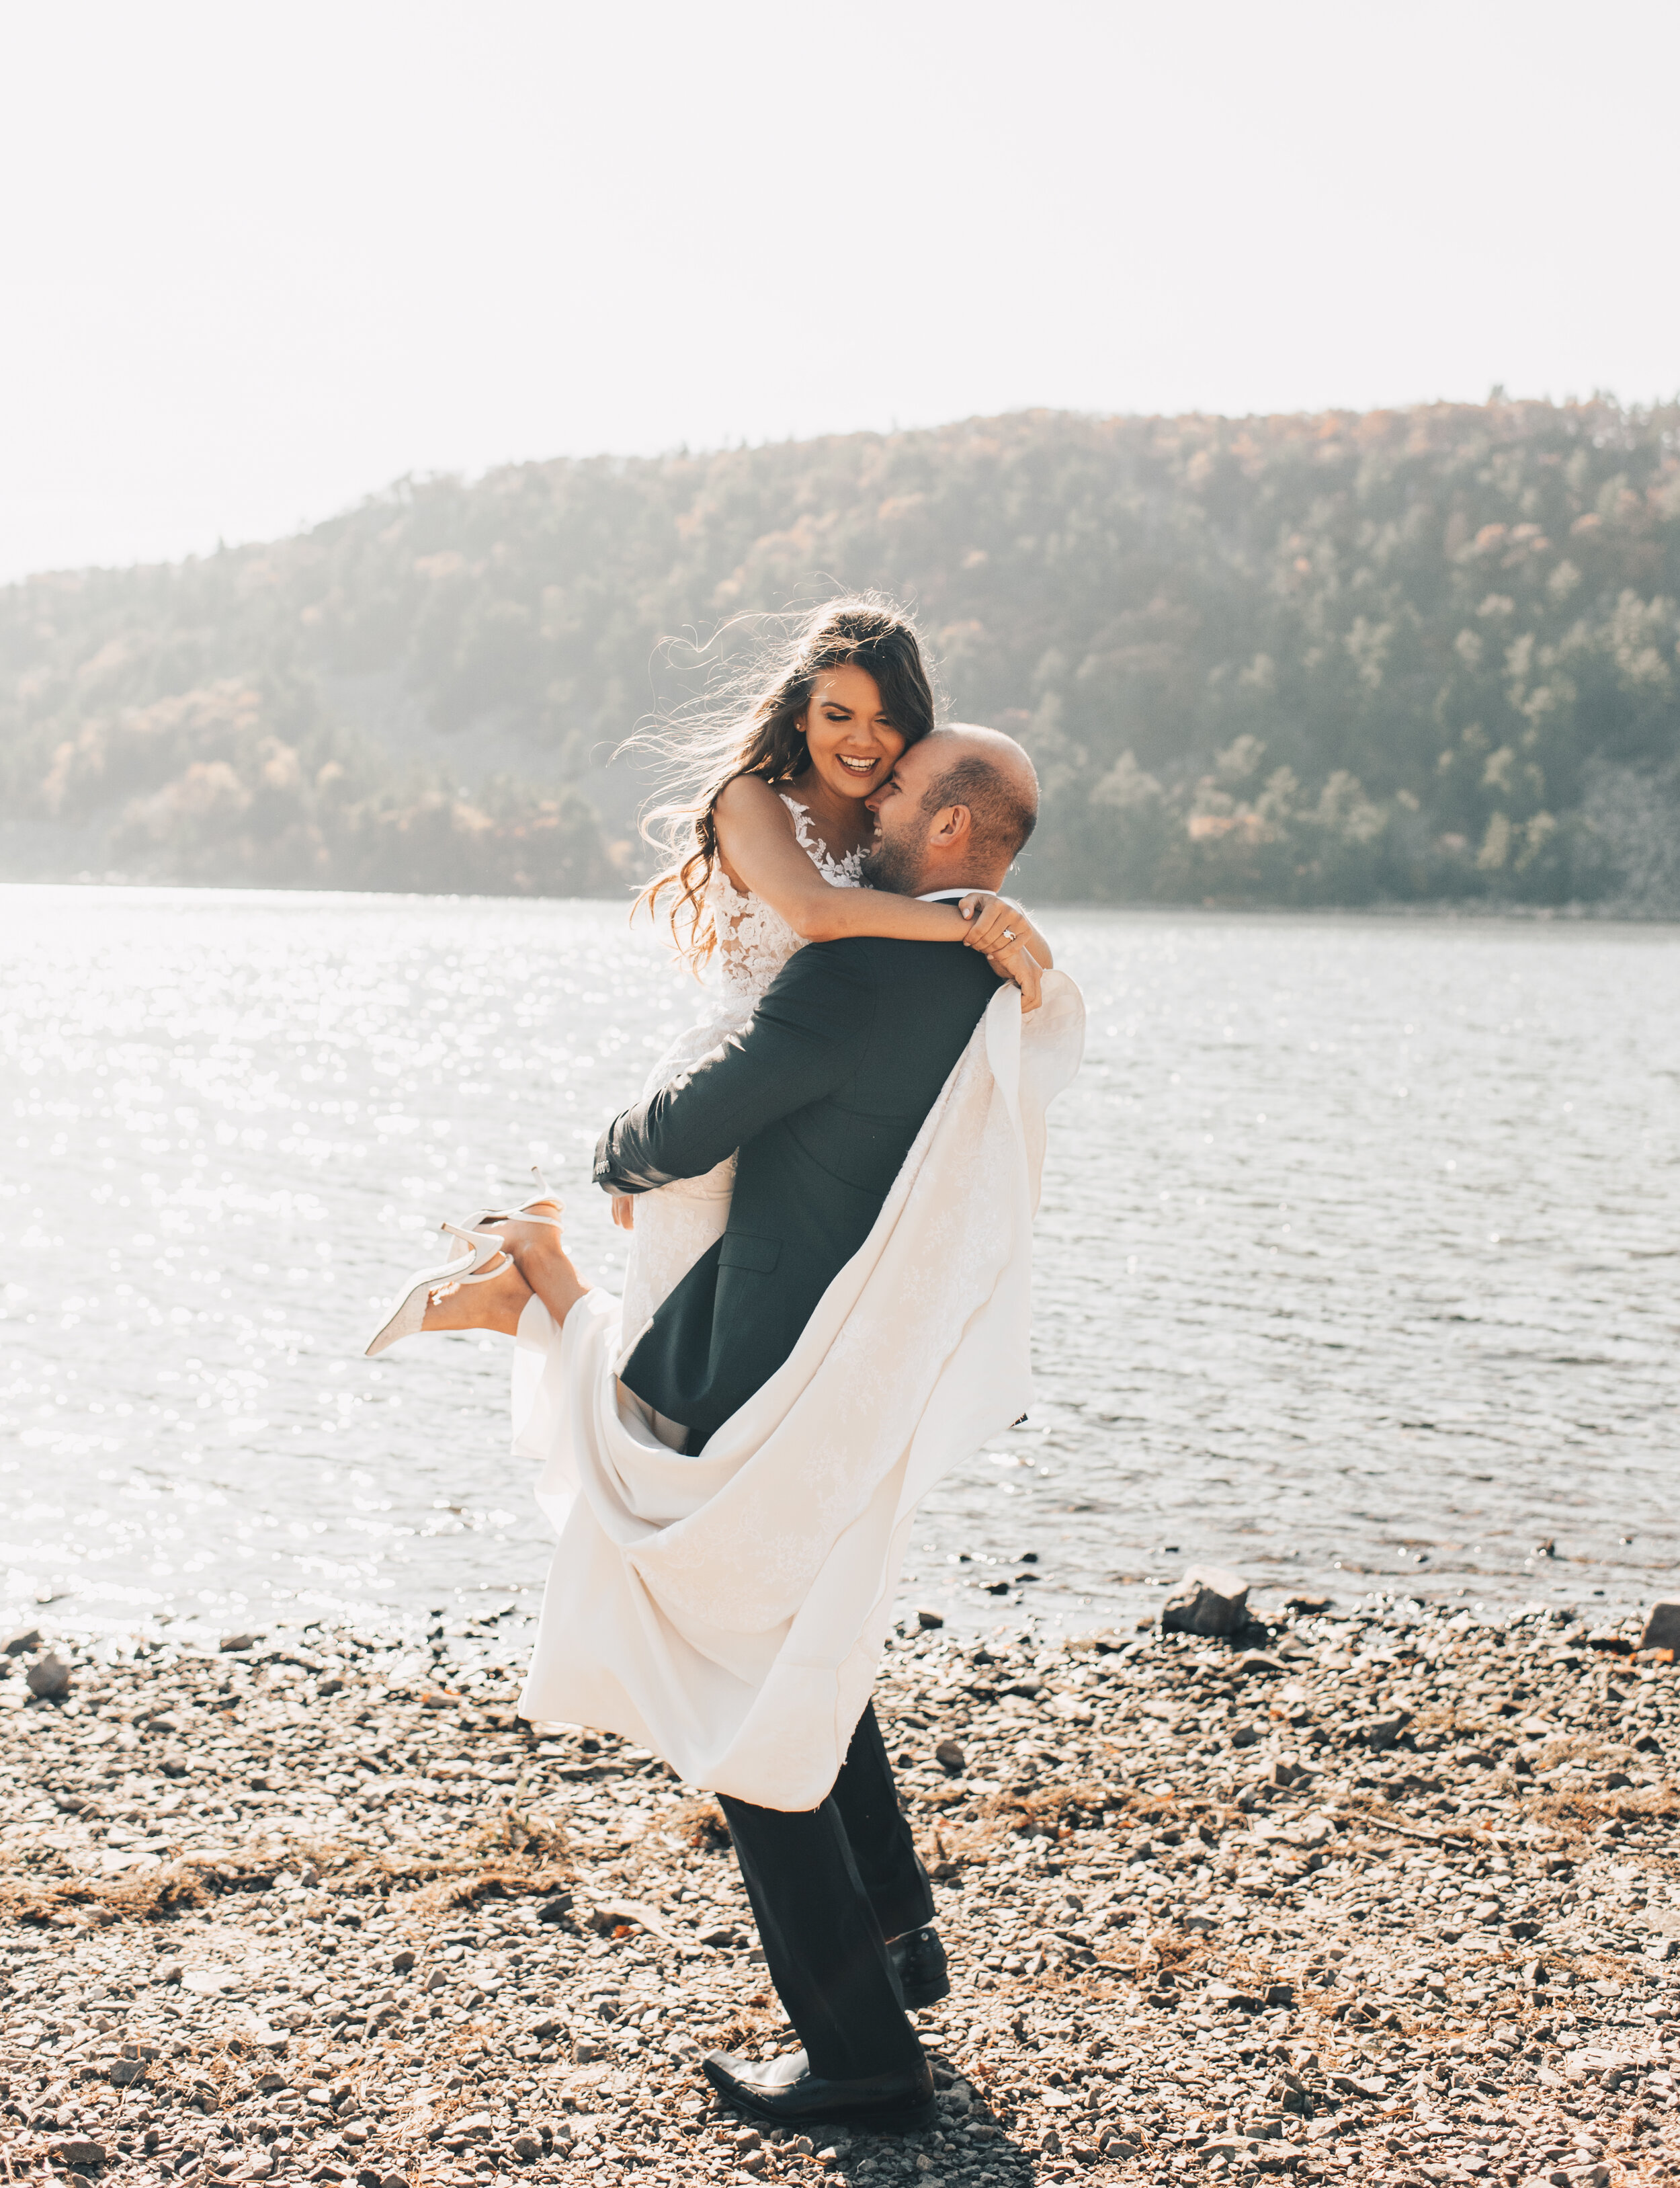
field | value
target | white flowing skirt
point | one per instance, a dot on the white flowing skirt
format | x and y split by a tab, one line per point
728	1611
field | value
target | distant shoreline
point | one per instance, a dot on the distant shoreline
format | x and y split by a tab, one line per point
1471	909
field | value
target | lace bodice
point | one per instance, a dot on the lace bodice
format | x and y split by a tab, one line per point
754	941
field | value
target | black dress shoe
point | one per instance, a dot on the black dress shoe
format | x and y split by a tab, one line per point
919	1967
785	2092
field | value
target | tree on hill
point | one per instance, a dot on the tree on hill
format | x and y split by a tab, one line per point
1408	655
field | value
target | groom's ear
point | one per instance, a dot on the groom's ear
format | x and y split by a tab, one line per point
951	823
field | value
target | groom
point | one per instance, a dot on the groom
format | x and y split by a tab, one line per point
823	1093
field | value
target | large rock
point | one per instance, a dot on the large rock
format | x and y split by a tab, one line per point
78	2151
48	1677
1662	1627
1209	1599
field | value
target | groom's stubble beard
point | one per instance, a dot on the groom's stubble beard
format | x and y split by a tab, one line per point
894	864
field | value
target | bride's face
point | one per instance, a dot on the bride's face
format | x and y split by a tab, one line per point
853	746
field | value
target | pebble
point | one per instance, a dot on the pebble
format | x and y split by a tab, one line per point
1382	1897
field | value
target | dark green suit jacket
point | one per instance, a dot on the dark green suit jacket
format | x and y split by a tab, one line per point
822	1093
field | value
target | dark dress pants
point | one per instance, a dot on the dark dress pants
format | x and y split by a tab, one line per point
829	1886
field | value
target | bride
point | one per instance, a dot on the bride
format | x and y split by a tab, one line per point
768	841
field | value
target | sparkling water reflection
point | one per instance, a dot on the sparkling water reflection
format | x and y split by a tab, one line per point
1355	1267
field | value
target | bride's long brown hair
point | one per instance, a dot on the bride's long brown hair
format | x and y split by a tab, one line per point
752	727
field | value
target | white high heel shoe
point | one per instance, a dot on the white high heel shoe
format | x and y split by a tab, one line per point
527	1212
407	1317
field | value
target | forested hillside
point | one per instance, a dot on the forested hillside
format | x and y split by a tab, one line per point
1415	654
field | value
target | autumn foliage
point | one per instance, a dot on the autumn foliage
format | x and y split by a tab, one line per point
1410	655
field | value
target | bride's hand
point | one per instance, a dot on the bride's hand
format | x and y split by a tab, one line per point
625	1210
990	920
1016	962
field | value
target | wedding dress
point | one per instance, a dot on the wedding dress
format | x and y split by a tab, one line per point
675	1226
727	1611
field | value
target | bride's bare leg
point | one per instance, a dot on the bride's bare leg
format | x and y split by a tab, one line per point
544	1264
496	1304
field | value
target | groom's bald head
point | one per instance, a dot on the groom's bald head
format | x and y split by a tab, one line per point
954	813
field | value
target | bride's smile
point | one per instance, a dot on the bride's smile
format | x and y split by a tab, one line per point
853	745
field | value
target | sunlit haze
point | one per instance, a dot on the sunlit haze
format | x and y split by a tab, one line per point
260	261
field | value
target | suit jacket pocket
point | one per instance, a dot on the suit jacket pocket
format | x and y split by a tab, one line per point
740	1249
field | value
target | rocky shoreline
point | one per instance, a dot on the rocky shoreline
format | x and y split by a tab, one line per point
1392	1896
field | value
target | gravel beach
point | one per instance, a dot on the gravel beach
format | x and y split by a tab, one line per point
1388	1896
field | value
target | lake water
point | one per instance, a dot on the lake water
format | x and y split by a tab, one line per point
1356	1266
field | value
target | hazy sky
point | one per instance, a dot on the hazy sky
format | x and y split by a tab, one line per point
260	260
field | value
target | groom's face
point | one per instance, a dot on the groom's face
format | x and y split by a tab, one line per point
900	849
